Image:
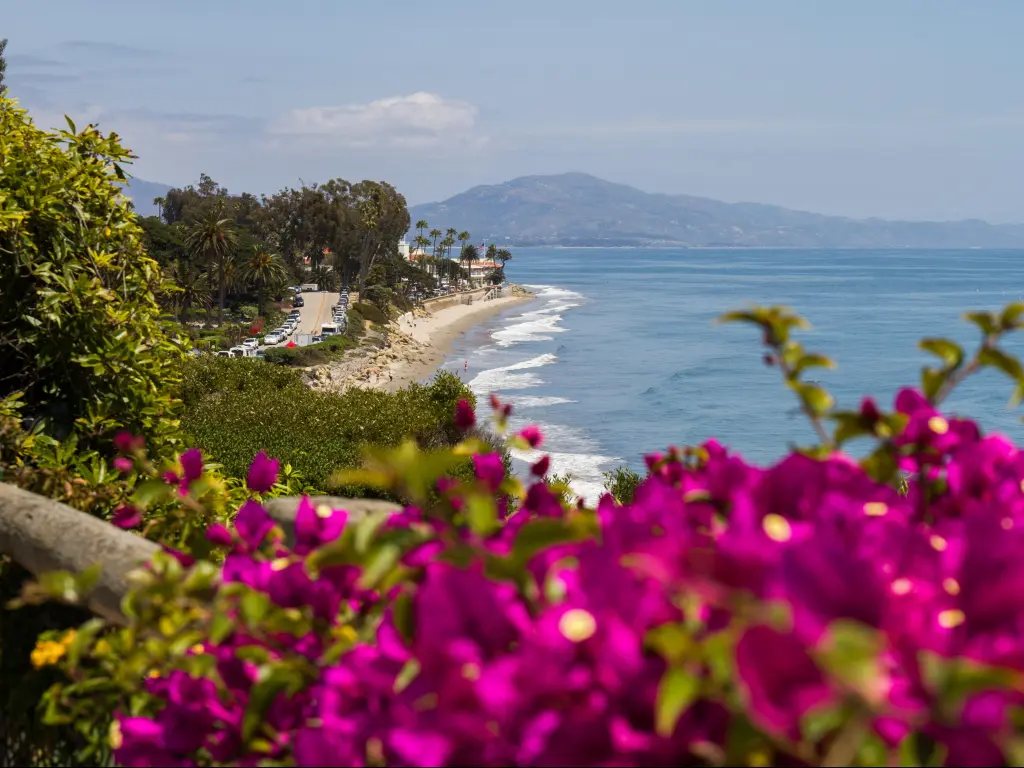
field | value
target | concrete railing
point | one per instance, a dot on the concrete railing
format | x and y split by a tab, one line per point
43	535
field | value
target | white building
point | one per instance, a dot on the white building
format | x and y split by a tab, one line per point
403	248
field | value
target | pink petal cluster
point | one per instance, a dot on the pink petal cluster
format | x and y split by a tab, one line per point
559	668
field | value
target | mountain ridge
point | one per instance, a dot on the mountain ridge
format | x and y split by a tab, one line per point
579	209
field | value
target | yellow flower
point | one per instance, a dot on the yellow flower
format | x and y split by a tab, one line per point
69	637
102	648
46	652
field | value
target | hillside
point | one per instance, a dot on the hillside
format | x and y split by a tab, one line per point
579	209
142	193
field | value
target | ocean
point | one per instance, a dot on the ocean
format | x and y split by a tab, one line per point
620	355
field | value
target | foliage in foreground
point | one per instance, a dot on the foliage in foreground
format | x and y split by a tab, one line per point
237	407
83	354
817	612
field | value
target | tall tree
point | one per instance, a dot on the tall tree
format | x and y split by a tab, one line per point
212	242
192	289
263	269
468	255
3	62
421	225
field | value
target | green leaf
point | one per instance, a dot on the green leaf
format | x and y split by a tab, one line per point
851	654
672	642
997	358
677	691
932	380
814	360
253	607
481	514
816	399
1010	317
985	321
151	491
948	351
380	563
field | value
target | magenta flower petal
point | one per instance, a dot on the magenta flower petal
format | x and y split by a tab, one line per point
252	523
125	442
126	517
219	535
532	435
191	465
490	469
262	473
541	467
465	418
123	464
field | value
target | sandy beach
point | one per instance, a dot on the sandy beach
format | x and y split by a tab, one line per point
418	343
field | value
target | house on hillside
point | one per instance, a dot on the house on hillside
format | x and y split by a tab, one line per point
479	270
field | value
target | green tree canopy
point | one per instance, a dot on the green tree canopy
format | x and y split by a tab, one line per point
80	342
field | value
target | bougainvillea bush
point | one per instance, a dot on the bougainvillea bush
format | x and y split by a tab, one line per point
821	611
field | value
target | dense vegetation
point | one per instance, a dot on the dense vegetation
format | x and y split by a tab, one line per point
236	408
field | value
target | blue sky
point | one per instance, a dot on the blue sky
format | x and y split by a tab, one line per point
898	109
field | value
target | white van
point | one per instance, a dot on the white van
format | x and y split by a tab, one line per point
329	329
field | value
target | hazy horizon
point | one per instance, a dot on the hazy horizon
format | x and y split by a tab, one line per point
897	111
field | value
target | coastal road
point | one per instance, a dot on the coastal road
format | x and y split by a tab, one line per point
316	310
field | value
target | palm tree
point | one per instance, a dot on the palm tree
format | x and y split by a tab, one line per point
469	254
421	225
192	289
262	269
464	237
212	241
435	233
159	202
449	236
503	255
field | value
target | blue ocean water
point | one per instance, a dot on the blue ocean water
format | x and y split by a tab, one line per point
620	356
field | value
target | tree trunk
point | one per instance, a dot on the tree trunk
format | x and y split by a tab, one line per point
222	292
259	301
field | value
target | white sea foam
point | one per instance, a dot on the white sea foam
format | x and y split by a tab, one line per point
537	329
576	455
508	377
532	401
553	291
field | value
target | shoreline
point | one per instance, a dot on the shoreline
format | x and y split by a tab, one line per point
418	343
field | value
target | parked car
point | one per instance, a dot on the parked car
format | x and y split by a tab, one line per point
261	354
299	301
253	343
223	353
317	339
272	338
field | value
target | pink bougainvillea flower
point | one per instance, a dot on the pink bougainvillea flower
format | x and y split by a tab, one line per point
465	418
127	443
252	524
123	464
126	517
219	535
542	501
532	436
490	469
541	466
781	679
315	527
262	473
191	466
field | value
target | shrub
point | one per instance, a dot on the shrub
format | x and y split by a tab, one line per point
332	348
80	337
622	483
370	313
819	611
239	407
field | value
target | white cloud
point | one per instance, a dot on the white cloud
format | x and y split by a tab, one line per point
420	119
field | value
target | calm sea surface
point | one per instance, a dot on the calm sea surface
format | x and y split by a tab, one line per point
619	355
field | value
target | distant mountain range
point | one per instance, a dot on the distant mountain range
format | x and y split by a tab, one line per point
578	209
142	192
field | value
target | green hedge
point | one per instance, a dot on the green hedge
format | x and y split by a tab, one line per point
331	348
238	407
370	313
